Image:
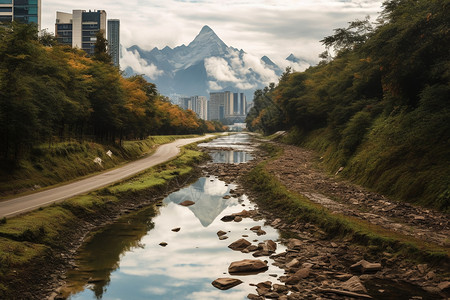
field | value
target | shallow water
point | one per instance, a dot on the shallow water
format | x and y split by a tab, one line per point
125	260
230	157
240	141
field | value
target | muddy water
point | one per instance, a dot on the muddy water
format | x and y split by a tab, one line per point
126	261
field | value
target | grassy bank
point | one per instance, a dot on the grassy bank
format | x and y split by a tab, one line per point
30	244
48	165
294	207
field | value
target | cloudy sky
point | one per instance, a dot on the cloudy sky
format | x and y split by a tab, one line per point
262	27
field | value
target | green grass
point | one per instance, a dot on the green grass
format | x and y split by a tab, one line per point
49	165
25	240
294	207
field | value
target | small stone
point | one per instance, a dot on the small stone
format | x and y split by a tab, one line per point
226	283
163	244
364	266
187	203
223	237
176	229
237	219
239	245
248	266
354	285
228	218
221	232
444	286
295	244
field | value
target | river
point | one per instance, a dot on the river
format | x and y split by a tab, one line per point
125	260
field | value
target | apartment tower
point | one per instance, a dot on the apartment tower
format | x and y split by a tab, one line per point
22	11
79	28
114	40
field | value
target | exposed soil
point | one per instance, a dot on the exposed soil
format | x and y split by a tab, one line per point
297	169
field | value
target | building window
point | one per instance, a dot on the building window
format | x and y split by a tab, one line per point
5	9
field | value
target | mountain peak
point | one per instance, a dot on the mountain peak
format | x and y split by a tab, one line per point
207	37
205	30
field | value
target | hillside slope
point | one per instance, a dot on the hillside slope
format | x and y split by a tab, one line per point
379	109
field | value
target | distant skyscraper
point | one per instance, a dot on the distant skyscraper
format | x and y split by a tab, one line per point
217	104
227	105
22	11
79	28
114	40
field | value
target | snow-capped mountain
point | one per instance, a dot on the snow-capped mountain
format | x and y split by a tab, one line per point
206	65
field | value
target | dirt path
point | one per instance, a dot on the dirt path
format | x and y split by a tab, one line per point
296	169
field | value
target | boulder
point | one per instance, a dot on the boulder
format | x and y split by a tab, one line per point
237	219
239	245
364	266
226	283
187	203
247	266
223	237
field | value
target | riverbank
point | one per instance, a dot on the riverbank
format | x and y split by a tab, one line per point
37	248
330	242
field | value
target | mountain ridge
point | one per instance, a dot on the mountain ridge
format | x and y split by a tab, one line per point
207	64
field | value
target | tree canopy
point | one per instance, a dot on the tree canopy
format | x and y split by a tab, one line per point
50	92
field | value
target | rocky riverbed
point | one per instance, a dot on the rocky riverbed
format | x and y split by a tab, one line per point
319	268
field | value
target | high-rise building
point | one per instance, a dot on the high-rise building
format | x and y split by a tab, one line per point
227	106
217	104
22	11
114	40
79	28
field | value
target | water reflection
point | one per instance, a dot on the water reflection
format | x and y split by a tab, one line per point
128	262
230	157
240	141
207	193
100	255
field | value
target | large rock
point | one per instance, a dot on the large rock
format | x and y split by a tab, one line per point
226	283
364	266
187	203
239	245
248	266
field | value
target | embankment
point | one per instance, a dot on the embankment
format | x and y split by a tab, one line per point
36	248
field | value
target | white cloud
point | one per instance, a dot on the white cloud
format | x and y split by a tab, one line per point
214	86
271	27
218	68
133	60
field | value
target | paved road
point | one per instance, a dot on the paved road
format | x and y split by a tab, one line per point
27	203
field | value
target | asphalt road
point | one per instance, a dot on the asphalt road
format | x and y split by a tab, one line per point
30	202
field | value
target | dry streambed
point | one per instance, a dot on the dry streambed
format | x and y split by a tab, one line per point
319	268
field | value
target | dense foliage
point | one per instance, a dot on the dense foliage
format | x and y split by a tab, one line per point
50	92
380	106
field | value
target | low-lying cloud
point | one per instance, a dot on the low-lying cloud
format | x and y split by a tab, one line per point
133	60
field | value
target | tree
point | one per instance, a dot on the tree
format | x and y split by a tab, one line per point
100	50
